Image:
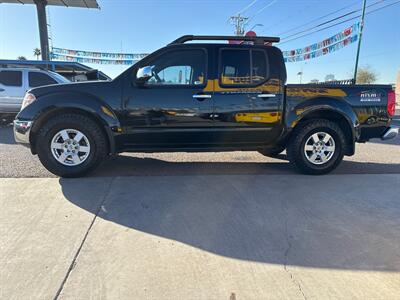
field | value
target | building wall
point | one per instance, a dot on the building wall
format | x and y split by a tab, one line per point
398	88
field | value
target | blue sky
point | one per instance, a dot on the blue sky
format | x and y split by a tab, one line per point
137	26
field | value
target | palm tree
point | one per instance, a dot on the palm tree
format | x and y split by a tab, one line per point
37	53
21	58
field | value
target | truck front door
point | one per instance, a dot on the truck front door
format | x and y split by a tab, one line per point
170	110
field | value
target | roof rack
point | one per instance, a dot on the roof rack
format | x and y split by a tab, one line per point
258	40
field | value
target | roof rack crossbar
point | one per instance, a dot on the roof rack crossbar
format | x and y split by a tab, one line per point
258	40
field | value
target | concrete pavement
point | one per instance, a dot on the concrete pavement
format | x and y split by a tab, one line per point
205	236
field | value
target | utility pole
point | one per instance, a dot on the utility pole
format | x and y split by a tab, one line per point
239	22
300	74
359	40
43	33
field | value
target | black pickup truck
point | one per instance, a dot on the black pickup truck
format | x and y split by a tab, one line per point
203	96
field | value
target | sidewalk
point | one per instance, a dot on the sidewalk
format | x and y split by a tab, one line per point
201	237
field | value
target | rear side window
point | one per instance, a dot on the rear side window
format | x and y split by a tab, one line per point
39	79
259	66
11	78
235	67
243	67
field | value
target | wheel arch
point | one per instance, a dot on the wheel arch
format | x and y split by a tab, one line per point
336	110
47	114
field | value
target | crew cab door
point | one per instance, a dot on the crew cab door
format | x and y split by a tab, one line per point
12	90
170	110
39	78
248	97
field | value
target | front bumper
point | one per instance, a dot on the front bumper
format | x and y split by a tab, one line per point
390	133
22	130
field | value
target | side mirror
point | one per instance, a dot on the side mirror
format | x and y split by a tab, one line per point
143	74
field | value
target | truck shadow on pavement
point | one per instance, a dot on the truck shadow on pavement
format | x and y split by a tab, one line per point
122	165
339	222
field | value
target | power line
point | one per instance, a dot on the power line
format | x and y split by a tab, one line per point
331	20
319	18
240	21
263	8
321	24
344	21
247	7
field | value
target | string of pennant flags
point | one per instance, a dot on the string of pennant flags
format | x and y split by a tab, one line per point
329	45
326	46
98	55
89	60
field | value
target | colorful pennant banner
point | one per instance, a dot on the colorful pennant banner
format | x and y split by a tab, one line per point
329	45
99	55
323	51
89	60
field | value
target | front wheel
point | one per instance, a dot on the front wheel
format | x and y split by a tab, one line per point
71	145
317	147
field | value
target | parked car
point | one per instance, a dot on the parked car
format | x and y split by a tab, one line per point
14	82
203	97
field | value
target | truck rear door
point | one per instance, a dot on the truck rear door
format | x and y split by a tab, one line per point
12	90
248	97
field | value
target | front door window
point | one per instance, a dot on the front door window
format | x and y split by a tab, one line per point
181	68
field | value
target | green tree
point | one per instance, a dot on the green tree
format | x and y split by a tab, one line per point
37	53
330	77
366	75
21	57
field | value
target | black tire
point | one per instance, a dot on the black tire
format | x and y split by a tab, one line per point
302	133
272	152
94	134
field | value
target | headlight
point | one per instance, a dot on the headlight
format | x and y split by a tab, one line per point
28	99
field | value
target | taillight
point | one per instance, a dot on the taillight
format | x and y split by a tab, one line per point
391	107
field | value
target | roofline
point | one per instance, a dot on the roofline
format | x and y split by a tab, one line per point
258	40
42	62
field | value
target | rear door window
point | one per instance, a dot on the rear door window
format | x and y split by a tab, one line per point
243	67
11	78
235	67
39	79
259	66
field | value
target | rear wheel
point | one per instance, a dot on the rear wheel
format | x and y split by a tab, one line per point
71	145
317	147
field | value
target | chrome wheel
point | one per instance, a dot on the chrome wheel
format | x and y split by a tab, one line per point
319	148
70	147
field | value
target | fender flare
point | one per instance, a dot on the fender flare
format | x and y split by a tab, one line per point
40	110
324	104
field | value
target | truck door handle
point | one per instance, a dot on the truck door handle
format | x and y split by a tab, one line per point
2	90
201	97
266	95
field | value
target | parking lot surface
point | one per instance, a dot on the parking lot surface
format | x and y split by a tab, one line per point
201	237
376	157
232	225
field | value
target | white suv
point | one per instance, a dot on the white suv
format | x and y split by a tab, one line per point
14	82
